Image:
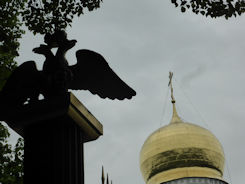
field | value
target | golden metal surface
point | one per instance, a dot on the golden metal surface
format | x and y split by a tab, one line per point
181	150
178	173
175	117
85	120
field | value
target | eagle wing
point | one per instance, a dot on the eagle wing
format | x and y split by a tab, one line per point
21	84
20	75
93	73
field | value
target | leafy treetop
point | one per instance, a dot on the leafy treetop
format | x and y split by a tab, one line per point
10	32
212	8
11	167
46	16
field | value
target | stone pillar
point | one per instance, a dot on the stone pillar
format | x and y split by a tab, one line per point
54	132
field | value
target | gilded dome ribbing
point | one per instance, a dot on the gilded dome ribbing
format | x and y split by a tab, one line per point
181	150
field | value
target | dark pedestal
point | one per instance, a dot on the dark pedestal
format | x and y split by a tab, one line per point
53	153
54	132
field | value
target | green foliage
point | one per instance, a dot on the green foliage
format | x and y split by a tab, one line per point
10	26
46	16
212	8
10	32
7	64
11	160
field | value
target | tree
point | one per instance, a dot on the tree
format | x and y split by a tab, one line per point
11	167
212	8
46	16
10	32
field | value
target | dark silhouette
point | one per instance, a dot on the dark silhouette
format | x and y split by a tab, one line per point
23	85
91	72
211	8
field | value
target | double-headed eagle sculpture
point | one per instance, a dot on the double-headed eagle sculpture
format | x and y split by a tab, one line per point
91	72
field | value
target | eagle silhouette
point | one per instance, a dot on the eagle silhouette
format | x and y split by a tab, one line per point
91	72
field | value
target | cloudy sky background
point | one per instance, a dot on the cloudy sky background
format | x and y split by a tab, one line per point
142	41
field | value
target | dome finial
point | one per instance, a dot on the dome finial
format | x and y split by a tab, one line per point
175	117
171	86
103	175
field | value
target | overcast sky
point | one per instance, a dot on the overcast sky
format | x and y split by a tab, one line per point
142	41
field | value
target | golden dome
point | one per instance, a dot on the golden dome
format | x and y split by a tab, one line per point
181	150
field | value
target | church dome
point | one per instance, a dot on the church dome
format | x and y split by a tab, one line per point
181	150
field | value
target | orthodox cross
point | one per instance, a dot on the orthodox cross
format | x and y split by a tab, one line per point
171	86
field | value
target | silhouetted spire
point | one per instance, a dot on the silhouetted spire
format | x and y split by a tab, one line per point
107	179
103	176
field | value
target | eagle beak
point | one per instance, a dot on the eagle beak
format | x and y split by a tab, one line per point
35	50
